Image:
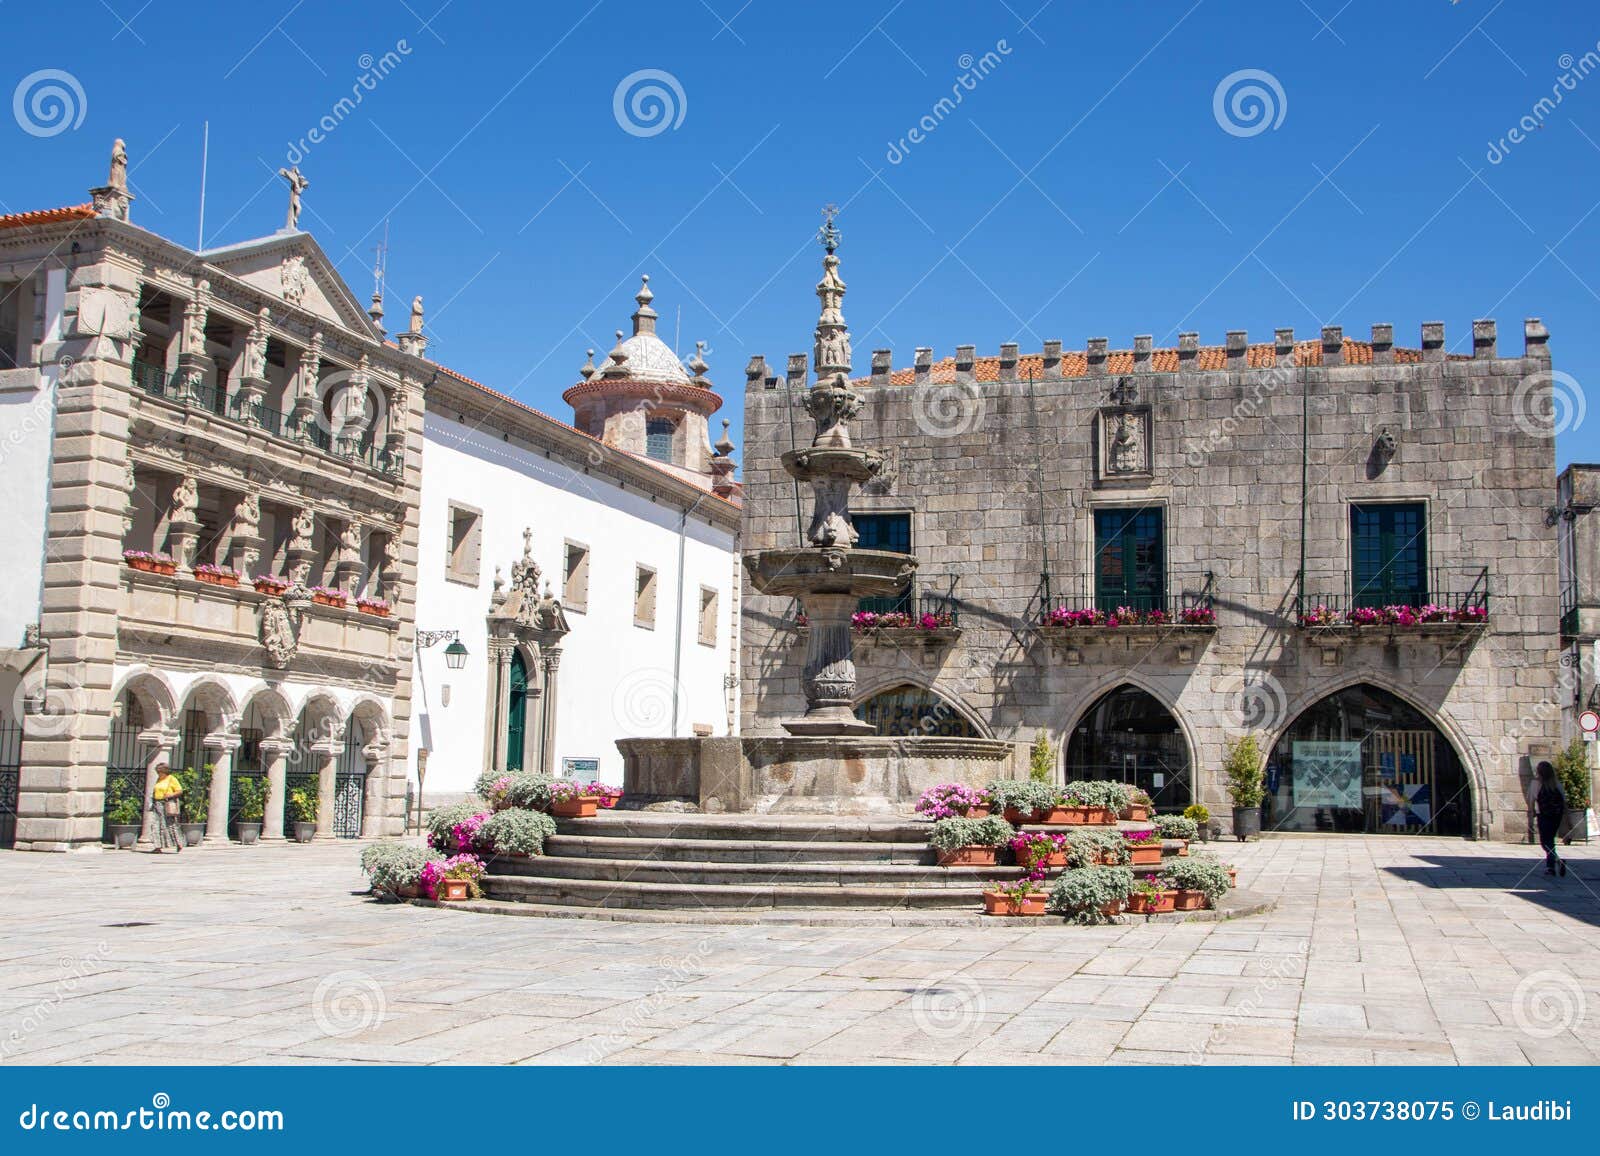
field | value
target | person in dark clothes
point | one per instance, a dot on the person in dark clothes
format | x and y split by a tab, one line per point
1550	804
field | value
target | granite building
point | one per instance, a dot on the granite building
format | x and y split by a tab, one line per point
1339	545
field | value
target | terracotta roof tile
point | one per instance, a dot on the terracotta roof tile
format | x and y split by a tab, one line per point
1075	363
46	216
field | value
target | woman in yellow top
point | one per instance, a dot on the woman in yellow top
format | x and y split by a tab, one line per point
168	795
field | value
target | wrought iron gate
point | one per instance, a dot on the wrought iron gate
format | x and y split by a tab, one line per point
10	778
125	776
349	786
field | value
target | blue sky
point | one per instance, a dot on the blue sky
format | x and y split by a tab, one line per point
1084	186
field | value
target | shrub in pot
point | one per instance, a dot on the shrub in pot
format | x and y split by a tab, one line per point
122	821
1091	895
1246	784
195	804
1572	771
1137	807
514	831
1087	847
250	796
303	814
1041	759
395	867
1200	880
568	800
1202	819
1020	800
952	801
969	842
1144	848
1177	827
1092	801
1024	897
453	829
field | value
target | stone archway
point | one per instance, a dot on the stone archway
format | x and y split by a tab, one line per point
901	707
362	781
142	736
1129	735
208	736
313	759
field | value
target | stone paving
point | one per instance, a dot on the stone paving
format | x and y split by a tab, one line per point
1382	950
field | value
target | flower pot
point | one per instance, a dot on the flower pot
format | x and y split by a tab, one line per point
1054	859
1184	849
610	801
249	833
452	890
150	566
1112	909
1189	901
218	579
1145	854
1162	902
375	611
265	586
973	856
193	833
304	832
123	835
1577	826
408	891
1246	822
997	903
1078	816
1233	877
1014	816
980	811
583	807
1137	812
327	600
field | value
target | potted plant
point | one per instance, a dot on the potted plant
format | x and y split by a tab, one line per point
568	800
1246	784
1095	802
452	829
1150	897
150	563
1202	819
1144	848
1036	850
1091	895
122	818
1041	759
270	584
1088	847
395	868
1178	827
1572	771
328	596
375	606
1023	897
250	796
216	575
951	801
1200	880
1020	800
1137	808
303	812
453	879
515	832
608	795
969	842
195	804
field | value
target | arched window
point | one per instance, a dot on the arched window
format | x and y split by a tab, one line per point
517	715
658	433
1364	760
1127	735
913	710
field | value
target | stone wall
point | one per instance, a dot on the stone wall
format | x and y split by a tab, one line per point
1001	478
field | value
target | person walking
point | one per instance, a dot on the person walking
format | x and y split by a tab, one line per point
168	797
1550	804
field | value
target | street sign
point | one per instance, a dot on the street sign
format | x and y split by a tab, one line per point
1589	721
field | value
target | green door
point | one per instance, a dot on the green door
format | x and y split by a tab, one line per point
517	718
1130	560
1388	555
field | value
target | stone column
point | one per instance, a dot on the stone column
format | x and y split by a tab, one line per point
192	347
307	375
61	792
327	755
221	749
184	523
162	743
253	370
274	757
547	710
830	672
376	798
499	702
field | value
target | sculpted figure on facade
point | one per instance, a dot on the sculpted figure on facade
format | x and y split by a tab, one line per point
292	279
186	500
255	347
297	185
247	515
304	526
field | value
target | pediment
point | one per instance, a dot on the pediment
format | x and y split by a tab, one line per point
293	268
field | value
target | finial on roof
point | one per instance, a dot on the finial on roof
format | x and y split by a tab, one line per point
724	446
617	368
588	365
697	364
831	354
112	198
644	318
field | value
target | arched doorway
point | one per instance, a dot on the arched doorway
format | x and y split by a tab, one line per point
517	712
914	710
1363	759
1128	736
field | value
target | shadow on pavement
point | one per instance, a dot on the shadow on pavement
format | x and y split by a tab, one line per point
1577	894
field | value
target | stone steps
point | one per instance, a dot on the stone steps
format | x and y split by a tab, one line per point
675	850
692	896
820	874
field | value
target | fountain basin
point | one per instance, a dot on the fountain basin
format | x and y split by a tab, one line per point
829	570
841	462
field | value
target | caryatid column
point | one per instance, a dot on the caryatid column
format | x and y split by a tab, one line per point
253	373
184	522
275	758
192	359
307	375
220	748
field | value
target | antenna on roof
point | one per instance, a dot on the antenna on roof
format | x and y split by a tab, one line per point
380	269
205	149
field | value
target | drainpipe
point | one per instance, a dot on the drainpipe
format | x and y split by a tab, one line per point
677	633
1305	491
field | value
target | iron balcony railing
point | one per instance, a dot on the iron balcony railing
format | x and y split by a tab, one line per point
154	380
935	597
1172	600
1438	594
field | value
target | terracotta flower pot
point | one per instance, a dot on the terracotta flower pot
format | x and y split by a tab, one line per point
1137	812
452	890
1014	816
1184	850
973	856
1233	877
1145	854
1139	904
1078	816
1054	859
219	579
996	903
375	611
583	807
1190	901
1112	909
981	811
409	891
327	600
265	586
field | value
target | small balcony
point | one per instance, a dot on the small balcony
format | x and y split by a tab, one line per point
1179	606
155	381
1450	602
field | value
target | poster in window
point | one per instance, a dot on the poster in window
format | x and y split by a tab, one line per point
1327	774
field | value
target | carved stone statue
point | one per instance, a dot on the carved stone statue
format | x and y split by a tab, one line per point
416	315
297	185
186	500
292	279
118	179
280	632
255	347
247	515
194	326
350	540
304	526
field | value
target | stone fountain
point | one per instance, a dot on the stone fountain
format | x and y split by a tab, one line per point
829	762
830	576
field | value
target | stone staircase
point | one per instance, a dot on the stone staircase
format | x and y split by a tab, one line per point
639	860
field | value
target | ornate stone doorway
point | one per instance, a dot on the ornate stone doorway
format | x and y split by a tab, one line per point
517	713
